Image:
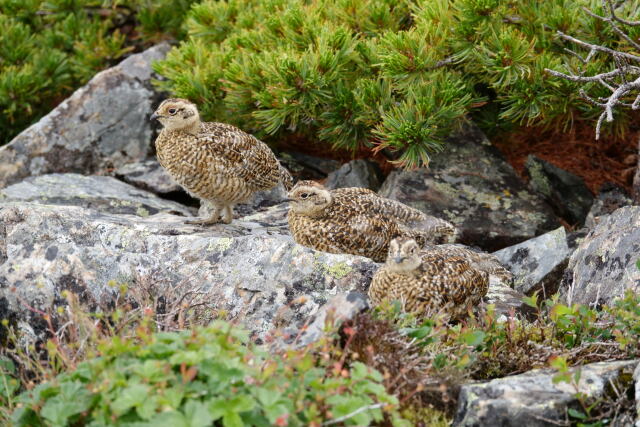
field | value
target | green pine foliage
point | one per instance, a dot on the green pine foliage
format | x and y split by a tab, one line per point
50	48
394	75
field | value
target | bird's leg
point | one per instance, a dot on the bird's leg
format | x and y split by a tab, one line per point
227	214
214	218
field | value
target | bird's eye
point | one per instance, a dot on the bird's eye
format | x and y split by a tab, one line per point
304	195
172	110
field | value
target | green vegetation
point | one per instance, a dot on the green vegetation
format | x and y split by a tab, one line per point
134	375
394	75
425	361
387	75
50	48
131	367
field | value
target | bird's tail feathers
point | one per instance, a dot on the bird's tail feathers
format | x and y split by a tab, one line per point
491	264
434	231
286	178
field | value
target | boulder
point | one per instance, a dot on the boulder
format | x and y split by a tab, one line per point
532	399
610	198
357	173
340	308
103	125
102	193
472	186
537	264
248	270
565	192
606	263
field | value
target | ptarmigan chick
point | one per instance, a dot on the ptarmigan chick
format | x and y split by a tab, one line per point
444	278
216	162
357	221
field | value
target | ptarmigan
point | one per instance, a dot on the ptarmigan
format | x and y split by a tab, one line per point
216	162
357	221
443	278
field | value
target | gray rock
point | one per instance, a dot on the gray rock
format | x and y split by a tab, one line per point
537	264
148	175
472	186
245	269
565	192
102	125
605	263
357	173
338	309
532	399
611	198
102	193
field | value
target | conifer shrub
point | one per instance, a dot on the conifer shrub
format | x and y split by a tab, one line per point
391	75
50	48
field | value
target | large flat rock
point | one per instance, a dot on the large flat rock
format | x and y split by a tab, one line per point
249	270
102	125
102	193
472	186
532	399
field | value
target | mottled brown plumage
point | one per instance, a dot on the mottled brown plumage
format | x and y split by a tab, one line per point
214	161
446	278
357	221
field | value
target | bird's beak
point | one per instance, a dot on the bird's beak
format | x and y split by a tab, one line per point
399	259
288	200
154	116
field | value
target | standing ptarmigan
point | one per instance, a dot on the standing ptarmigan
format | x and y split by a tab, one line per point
357	221
447	278
216	162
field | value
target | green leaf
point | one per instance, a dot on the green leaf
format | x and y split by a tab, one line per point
577	414
473	338
148	408
267	397
130	397
73	399
197	414
531	301
638	264
232	419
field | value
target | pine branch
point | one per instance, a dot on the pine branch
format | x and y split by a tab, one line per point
615	81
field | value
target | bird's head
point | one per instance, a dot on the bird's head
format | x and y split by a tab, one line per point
309	198
177	114
404	255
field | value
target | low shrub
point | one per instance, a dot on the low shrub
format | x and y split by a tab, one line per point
388	75
424	362
207	375
50	48
136	365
